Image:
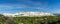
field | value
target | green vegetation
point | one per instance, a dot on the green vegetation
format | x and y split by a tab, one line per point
30	20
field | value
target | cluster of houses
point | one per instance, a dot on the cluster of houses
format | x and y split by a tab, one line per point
27	14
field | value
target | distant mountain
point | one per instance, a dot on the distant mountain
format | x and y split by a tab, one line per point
27	14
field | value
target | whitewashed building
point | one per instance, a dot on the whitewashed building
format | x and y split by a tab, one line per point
27	14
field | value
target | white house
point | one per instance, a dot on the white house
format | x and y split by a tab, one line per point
27	14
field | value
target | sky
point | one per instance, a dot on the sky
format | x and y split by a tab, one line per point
14	6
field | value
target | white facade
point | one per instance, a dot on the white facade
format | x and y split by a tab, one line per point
36	14
27	14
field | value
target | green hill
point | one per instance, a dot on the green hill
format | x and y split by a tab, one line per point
30	20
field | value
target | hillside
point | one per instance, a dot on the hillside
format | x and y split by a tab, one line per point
30	20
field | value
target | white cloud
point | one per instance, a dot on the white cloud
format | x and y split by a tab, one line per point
39	8
13	6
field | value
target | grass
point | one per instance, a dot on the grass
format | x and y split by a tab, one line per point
29	20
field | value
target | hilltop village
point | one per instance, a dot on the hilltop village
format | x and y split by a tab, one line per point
27	14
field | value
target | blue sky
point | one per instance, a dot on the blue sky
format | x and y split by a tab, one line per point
13	6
